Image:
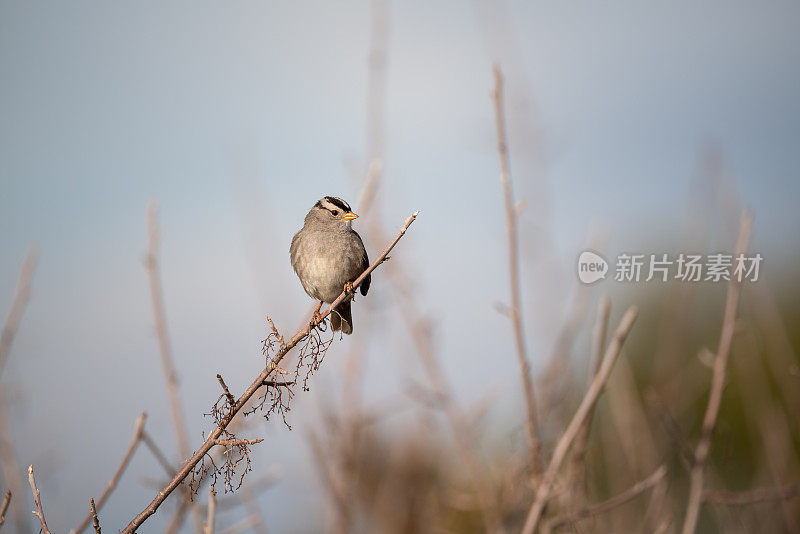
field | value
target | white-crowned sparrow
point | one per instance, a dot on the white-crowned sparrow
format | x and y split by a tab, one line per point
328	254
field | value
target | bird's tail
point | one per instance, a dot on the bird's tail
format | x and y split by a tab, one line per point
341	319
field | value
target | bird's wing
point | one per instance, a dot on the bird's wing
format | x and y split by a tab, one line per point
363	267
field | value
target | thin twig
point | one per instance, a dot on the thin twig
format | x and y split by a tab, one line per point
515	312
39	512
4	507
212	508
581	414
237	442
112	483
717	385
231	398
95	519
255	386
18	304
613	502
755	496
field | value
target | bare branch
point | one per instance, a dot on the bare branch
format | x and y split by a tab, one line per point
17	305
613	502
581	414
717	384
758	495
4	507
112	483
95	519
39	512
210	441
515	312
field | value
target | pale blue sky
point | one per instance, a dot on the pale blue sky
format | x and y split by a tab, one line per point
238	117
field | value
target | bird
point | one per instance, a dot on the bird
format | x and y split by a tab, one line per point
328	256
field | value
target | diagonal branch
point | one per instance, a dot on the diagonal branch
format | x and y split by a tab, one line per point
581	414
515	313
138	433
717	385
255	386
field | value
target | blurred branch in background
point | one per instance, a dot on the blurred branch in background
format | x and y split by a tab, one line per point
18	304
165	349
211	516
576	474
578	420
631	493
515	312
759	495
717	384
4	507
11	468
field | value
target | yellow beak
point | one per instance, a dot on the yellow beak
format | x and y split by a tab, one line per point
349	216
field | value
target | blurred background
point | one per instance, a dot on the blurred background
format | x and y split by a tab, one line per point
631	128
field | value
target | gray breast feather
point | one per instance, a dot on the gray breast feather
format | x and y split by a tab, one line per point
324	261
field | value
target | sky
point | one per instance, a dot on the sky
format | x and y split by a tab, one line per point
238	117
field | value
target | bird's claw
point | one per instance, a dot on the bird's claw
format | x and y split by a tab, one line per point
316	318
348	288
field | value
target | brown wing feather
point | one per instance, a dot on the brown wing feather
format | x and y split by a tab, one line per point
364	266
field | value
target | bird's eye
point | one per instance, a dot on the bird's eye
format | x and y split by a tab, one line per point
335	213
